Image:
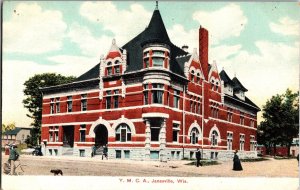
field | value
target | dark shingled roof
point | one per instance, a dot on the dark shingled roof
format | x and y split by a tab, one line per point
182	60
247	103
90	74
15	131
155	32
225	78
238	85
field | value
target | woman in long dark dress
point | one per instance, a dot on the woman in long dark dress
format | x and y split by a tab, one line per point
236	162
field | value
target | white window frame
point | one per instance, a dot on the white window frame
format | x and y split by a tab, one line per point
229	140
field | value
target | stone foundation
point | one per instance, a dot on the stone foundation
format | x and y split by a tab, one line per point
140	153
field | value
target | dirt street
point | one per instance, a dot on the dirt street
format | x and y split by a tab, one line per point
75	166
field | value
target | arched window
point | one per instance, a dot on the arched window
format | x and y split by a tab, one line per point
192	76
117	62
123	133
198	77
214	138
194	135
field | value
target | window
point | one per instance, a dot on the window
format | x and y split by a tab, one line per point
194	136
81	153
123	133
118	154
69	103
229	140
198	77
175	132
242	119
147	63
157	93
82	133
214	138
50	136
108	100
158	62
57	105
229	116
252	143
154	133
116	98
199	108
109	70
191	106
52	106
116	101
176	98
83	102
146	87
117	69
242	141
251	123
127	154
192	76
56	136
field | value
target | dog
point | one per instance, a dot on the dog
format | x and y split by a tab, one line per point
56	172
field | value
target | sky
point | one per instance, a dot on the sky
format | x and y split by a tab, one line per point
256	42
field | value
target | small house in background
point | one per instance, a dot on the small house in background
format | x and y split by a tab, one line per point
294	151
17	136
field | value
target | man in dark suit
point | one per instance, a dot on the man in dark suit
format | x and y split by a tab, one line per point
198	157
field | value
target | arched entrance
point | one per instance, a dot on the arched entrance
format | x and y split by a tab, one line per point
101	135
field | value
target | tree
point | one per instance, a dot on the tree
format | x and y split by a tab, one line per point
290	118
9	126
280	125
34	99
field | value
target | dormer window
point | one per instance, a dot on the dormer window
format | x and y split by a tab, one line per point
192	76
109	71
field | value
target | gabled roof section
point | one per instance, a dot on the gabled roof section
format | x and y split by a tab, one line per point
224	77
114	51
155	32
182	59
238	85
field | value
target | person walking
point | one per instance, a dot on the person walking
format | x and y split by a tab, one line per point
13	156
93	151
298	159
198	157
105	150
236	162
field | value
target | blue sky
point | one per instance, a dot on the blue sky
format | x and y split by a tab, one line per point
259	42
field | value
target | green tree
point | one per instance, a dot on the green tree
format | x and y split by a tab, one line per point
34	98
9	126
280	125
290	117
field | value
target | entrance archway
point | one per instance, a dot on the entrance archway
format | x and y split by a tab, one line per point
101	135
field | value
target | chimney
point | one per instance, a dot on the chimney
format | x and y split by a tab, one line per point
203	50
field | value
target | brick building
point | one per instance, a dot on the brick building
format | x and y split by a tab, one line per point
150	99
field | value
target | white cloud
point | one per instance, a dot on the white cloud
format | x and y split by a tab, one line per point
16	72
89	44
224	23
124	24
266	73
285	26
32	30
223	52
180	37
75	65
